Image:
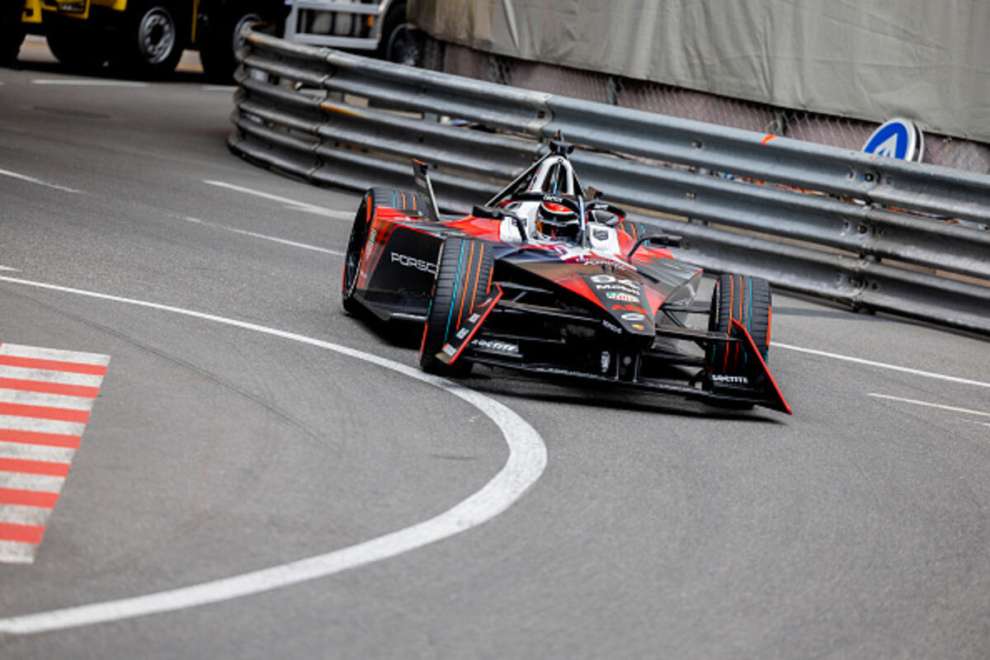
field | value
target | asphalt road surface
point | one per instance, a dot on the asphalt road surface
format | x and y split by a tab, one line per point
243	424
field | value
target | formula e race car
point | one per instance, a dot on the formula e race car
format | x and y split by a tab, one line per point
549	279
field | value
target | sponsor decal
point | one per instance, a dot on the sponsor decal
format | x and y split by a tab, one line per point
449	350
625	285
462	333
602	279
638	327
730	380
628	308
372	235
496	346
413	262
611	326
474	318
621	296
606	361
633	316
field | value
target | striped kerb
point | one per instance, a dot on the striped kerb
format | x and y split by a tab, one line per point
46	396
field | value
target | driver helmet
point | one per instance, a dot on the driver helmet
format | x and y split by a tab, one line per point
556	221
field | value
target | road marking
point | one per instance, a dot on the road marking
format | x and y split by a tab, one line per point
37	353
882	365
17	423
927	404
8	269
24	515
50	376
31	179
266	237
34	482
24	451
39	433
220	88
27	398
86	82
526	462
290	203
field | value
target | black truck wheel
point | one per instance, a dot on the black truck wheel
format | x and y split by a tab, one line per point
76	45
748	300
11	32
411	203
151	39
222	39
400	41
463	282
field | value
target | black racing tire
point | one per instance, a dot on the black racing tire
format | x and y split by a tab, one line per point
76	45
222	39
151	39
464	276
748	300
408	202
400	41
11	33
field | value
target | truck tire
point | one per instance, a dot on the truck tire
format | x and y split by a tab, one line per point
400	41
463	281
76	45
151	39
222	39
11	33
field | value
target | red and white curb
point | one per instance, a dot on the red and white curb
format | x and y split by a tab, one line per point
46	396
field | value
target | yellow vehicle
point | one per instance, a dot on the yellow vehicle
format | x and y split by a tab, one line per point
139	37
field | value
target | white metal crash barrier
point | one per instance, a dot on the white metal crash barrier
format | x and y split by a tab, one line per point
875	233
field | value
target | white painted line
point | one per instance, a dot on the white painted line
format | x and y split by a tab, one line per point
25	398
17	423
86	82
526	462
12	552
28	452
40	483
882	365
49	376
965	411
23	515
37	353
31	179
9	269
273	239
291	203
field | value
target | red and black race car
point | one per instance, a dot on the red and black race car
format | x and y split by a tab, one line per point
548	278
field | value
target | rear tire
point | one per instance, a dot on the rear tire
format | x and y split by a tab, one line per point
411	203
748	300
463	282
400	41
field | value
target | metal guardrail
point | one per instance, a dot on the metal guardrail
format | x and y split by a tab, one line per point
874	233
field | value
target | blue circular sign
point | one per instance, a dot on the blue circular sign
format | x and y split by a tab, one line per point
897	138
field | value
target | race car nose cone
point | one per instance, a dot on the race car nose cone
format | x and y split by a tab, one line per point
624	299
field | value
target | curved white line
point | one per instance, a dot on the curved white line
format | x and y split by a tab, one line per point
526	462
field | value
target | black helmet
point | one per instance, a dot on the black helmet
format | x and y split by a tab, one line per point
557	220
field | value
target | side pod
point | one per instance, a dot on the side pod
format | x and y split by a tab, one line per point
760	375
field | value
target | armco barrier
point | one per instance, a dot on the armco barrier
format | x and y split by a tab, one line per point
874	233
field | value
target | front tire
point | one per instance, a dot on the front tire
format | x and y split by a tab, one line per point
400	41
747	300
11	33
464	275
